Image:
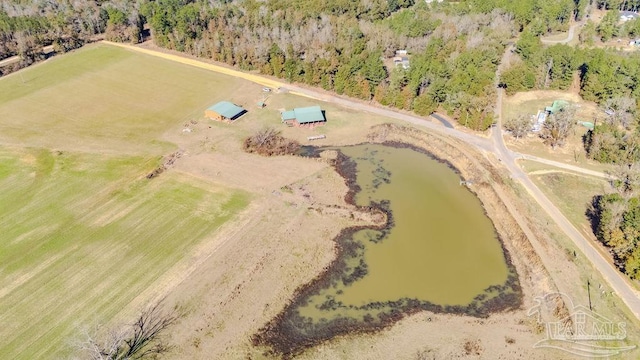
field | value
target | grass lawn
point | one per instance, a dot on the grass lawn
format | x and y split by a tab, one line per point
571	193
84	233
106	99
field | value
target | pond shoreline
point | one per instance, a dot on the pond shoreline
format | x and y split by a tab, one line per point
289	333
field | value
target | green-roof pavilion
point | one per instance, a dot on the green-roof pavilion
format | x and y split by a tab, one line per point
305	115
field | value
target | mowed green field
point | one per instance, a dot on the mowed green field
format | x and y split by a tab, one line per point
82	231
106	99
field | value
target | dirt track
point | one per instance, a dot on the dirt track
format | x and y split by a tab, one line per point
570	35
495	145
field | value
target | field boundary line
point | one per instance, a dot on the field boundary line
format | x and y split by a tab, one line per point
201	64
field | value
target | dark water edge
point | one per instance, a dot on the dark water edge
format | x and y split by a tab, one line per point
289	333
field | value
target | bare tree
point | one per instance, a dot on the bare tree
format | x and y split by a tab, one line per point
139	340
270	142
622	111
625	179
558	127
519	126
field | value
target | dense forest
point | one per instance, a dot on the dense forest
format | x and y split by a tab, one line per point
27	26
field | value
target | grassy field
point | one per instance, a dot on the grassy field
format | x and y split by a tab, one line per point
571	193
105	99
84	233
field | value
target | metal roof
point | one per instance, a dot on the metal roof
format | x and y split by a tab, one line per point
308	114
227	109
288	115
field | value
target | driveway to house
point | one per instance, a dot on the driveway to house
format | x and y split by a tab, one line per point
618	281
570	35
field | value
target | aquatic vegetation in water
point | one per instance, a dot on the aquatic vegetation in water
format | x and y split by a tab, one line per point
438	251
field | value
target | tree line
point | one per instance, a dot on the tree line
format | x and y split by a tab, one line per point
27	26
616	218
346	46
341	45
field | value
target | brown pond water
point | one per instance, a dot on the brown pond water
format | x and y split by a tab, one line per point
442	248
439	252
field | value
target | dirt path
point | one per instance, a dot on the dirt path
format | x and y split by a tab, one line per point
202	65
9	61
570	35
572	168
496	145
15	59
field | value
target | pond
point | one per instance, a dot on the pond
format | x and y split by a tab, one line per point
438	252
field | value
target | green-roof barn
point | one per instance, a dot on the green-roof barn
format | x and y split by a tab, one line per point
224	111
306	116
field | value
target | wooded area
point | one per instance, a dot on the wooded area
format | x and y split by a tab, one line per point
27	26
346	46
341	45
616	218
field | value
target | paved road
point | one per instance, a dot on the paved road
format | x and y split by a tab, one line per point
494	145
618	282
444	121
477	141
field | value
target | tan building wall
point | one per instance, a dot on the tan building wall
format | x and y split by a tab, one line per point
213	115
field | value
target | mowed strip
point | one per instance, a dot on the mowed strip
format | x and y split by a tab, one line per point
258	79
200	64
80	272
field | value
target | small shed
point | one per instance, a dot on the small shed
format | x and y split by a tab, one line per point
306	116
224	111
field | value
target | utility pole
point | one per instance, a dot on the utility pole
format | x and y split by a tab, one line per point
589	293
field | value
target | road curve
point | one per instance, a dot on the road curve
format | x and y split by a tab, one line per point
617	281
572	31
